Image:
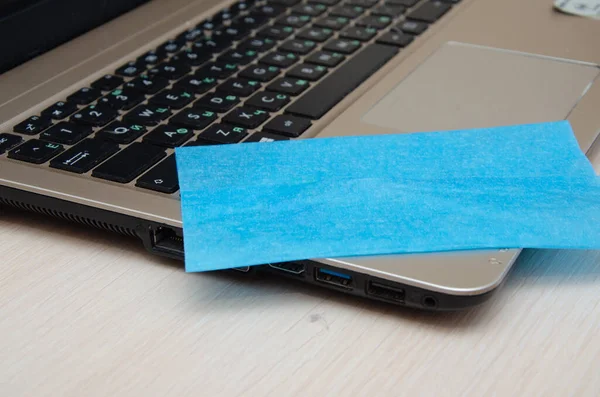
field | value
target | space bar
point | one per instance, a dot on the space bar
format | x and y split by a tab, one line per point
326	94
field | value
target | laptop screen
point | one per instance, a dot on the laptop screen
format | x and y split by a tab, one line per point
37	26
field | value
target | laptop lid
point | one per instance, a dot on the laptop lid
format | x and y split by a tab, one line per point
38	26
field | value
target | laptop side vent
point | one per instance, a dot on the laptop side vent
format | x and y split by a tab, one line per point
69	217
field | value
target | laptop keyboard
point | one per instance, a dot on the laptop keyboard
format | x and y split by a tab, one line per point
254	72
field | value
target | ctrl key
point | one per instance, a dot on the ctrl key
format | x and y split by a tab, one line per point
35	151
9	141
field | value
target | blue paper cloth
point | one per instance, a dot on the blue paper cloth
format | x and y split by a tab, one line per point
526	186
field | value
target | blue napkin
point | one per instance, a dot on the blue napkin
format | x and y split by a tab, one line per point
526	186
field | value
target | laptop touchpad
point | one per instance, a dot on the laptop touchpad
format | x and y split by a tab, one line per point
465	86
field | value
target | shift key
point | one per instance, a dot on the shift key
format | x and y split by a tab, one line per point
130	162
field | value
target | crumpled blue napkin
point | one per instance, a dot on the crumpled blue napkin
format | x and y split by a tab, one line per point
526	186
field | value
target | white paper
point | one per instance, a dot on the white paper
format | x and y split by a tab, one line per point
584	8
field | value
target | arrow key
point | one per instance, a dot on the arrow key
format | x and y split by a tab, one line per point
161	178
35	151
85	155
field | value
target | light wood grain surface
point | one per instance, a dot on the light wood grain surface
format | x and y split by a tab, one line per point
87	313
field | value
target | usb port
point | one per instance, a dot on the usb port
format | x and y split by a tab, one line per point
334	278
385	292
295	268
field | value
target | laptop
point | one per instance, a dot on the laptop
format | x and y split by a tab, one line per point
95	96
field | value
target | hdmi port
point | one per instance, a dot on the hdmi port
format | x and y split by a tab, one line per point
332	277
385	292
295	268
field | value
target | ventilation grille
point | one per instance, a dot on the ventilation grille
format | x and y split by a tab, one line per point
70	217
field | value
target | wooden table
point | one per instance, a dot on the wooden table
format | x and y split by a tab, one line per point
87	313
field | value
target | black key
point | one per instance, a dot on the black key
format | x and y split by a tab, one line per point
195	119
107	82
286	3
192	57
312	10
325	58
85	155
95	115
152	58
260	72
33	125
131	69
347	11
84	96
223	16
412	27
335	23
162	177
265	137
288	125
147	115
276	32
238	57
246	117
344	80
196	85
239	87
388	11
229	34
256	44
247	23
430	12
68	133
214	44
342	45
269	101
170	70
325	2
218	102
279	59
240	6
315	34
288	85
397	39
35	151
192	34
363	3
293	20
60	110
203	46
209	25
358	33
405	3
223	133
268	11
374	21
130	162
301	47
125	98
307	72
169	135
170	47
9	141
217	70
121	132
147	84
174	98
